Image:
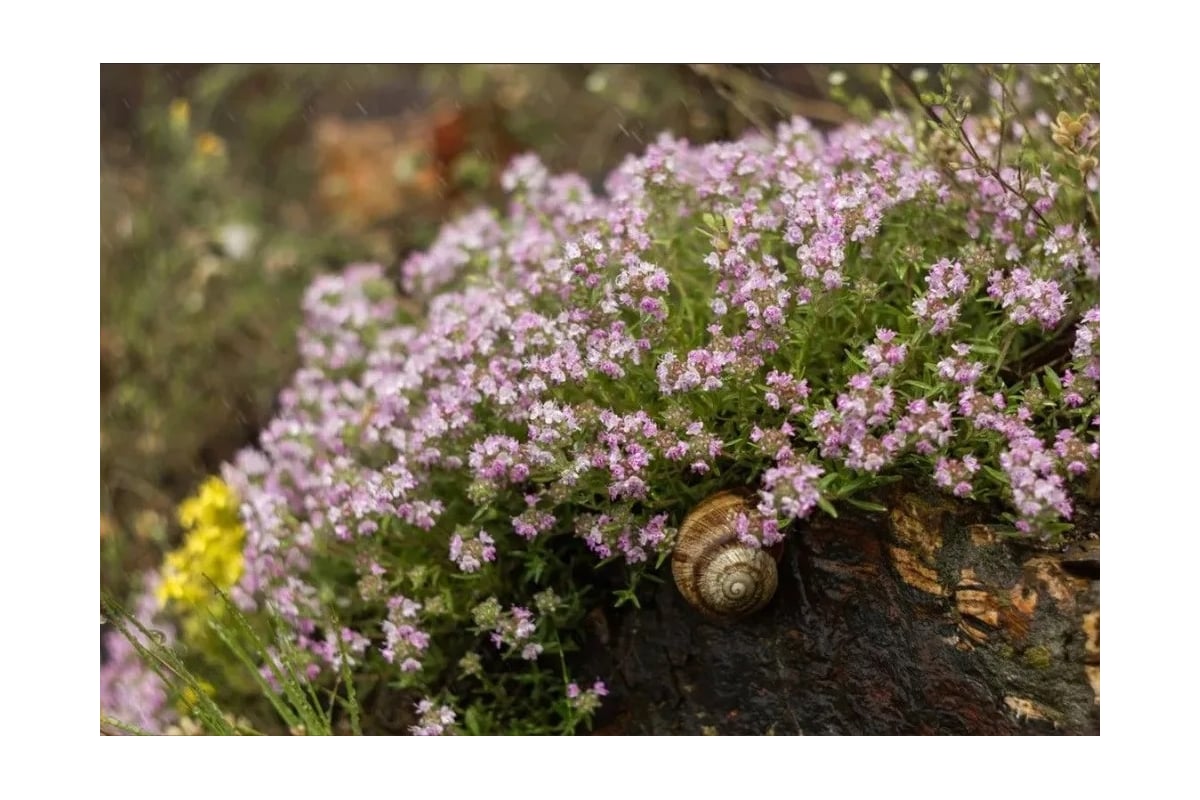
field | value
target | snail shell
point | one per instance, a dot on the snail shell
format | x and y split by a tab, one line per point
718	575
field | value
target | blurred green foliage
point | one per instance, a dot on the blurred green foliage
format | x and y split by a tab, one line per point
203	259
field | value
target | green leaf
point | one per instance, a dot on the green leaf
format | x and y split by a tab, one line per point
827	507
228	637
995	474
302	704
866	505
626	596
125	727
473	721
347	677
1054	386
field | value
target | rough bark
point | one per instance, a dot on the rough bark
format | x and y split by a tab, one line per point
921	621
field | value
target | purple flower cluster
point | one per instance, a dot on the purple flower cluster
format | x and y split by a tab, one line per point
512	628
958	368
1083	379
404	642
940	304
130	691
851	432
1015	220
955	474
785	391
926	427
581	352
434	721
1037	473
353	643
472	552
789	492
607	535
1028	298
586	701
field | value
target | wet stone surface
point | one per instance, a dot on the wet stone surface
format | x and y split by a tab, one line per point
847	646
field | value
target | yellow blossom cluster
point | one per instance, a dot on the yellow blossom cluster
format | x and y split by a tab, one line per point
211	550
207	145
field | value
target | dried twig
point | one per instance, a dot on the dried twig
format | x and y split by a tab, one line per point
968	145
734	84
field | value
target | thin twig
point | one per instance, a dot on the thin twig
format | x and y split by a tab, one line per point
747	85
966	142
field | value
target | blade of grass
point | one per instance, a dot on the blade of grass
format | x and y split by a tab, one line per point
285	712
125	727
169	667
351	701
299	692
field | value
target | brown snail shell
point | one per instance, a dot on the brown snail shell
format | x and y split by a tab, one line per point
718	575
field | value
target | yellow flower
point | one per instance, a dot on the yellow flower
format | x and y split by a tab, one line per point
214	504
211	549
179	113
210	145
189	698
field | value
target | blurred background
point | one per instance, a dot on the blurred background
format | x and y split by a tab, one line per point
224	189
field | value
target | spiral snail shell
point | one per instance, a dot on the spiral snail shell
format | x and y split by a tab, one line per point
718	575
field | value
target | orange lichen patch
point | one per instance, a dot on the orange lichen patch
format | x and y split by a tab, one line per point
981	535
858	571
1025	708
1091	630
968	579
1023	599
1049	575
355	173
1016	610
1011	611
449	135
973	633
370	170
978	604
1093	675
915	573
917	525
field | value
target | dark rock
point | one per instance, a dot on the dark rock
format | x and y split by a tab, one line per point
871	633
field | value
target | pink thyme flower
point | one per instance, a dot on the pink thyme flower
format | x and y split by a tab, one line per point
130	691
947	282
434	721
586	701
471	553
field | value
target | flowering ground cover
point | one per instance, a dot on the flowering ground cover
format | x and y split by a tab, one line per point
480	448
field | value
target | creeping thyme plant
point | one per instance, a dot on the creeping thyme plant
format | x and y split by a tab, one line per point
808	315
